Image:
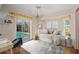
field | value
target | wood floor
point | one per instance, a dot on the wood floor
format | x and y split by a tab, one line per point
22	51
71	51
16	51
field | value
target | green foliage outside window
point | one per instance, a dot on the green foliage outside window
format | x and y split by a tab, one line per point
68	32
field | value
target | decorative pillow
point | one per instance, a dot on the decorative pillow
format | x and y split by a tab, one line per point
57	32
50	31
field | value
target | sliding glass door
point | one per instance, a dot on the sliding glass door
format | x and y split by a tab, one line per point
23	29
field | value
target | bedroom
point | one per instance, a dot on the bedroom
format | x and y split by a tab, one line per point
50	28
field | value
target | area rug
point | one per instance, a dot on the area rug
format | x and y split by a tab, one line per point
38	47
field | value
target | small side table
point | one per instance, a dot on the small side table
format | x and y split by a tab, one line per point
68	43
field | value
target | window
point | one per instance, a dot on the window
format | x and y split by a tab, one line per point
67	28
55	24
52	24
23	29
23	26
49	24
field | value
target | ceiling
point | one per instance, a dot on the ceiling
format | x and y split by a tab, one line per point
30	9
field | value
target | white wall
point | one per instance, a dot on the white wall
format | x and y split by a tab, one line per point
77	29
2	15
8	30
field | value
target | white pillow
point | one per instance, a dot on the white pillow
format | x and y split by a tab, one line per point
45	38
